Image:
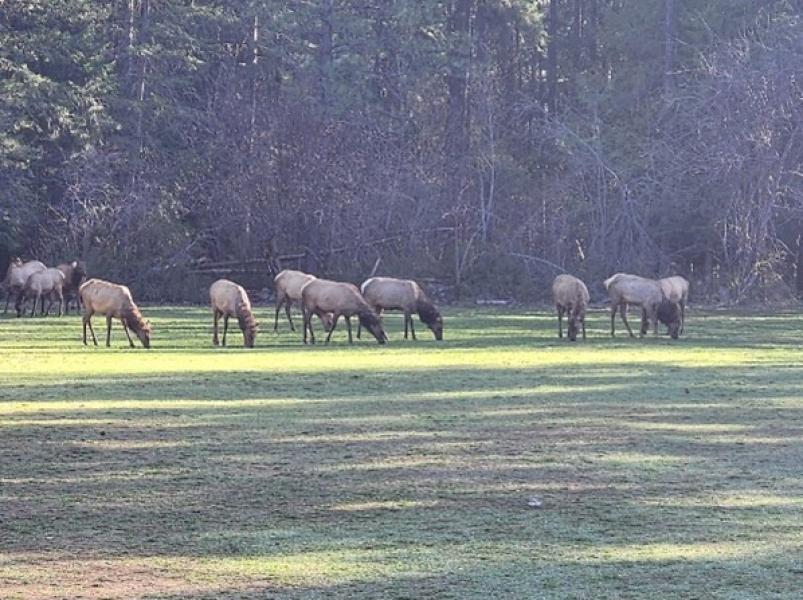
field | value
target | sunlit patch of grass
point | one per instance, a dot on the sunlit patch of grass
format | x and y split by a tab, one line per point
669	553
690	428
382	505
756	500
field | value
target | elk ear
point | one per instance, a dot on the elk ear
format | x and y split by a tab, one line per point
74	264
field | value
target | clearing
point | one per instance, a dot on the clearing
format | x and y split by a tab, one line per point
665	469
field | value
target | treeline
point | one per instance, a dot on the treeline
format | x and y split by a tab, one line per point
480	145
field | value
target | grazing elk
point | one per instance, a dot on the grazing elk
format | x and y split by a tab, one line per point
571	298
17	276
230	300
113	301
676	290
624	290
668	314
40	285
321	296
288	290
387	293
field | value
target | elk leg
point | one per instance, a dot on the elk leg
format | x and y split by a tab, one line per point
348	326
412	327
127	334
49	303
682	316
560	321
276	318
17	305
584	328
645	324
335	317
108	330
60	295
8	299
613	320
88	322
308	326
287	312
215	327
225	327
654	317
35	302
623	314
405	326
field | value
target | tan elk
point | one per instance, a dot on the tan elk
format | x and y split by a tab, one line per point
676	290
571	298
321	296
288	291
17	276
230	300
388	293
74	276
669	315
625	290
115	302
41	285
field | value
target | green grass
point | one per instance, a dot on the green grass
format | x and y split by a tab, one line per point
666	469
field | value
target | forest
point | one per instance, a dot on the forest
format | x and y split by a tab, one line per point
480	146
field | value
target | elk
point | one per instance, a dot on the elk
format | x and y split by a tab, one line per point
288	290
229	299
40	285
17	276
388	293
113	301
625	289
571	298
321	296
74	276
676	290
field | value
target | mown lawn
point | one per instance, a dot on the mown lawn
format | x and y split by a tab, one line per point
665	469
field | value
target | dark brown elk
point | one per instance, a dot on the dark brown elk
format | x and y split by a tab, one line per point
74	276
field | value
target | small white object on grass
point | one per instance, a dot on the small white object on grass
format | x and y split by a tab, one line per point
535	502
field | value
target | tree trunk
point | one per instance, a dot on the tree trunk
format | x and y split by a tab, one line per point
325	58
552	58
457	79
669	46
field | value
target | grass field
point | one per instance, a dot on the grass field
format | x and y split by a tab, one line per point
665	469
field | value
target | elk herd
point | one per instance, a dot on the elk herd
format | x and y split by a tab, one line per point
660	300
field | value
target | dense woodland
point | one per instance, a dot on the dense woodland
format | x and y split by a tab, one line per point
482	146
